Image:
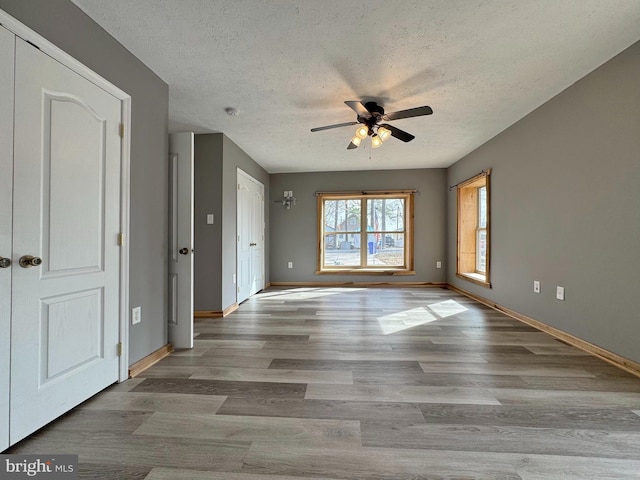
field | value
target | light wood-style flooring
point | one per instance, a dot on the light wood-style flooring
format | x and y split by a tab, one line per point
350	383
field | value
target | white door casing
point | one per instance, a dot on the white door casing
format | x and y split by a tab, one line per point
7	45
181	148
250	230
66	312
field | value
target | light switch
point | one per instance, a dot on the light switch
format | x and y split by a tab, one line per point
209	218
136	315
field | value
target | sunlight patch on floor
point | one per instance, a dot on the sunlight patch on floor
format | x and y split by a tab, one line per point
399	321
447	308
396	322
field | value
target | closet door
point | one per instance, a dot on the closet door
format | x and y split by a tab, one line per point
257	233
7	47
250	228
65	311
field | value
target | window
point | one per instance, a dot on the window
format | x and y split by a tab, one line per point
369	233
473	229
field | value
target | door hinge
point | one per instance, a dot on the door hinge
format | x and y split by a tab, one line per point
119	349
120	239
238	186
121	130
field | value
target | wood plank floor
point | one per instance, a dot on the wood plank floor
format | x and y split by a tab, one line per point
350	383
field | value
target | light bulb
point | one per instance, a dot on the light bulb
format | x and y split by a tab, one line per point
375	141
384	133
362	132
356	141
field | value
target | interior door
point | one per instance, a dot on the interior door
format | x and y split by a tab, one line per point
65	311
257	234
250	227
243	267
7	46
181	148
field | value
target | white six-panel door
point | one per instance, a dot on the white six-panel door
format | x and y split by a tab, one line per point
7	43
66	207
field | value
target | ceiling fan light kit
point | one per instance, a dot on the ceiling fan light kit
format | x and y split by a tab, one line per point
369	115
362	132
384	133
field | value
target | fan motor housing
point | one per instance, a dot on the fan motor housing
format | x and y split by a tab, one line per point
373	107
376	113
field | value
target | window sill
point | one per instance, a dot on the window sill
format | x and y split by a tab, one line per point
476	278
366	271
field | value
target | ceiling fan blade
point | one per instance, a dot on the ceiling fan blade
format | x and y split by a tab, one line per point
399	134
359	108
351	146
412	112
327	127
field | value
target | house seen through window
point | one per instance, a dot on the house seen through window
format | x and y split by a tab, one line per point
365	233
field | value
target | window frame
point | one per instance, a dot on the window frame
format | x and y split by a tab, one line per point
362	268
469	229
481	229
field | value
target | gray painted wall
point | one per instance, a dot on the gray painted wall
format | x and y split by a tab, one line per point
294	231
65	25
217	159
565	209
207	188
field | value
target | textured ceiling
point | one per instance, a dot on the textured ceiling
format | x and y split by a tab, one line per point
288	66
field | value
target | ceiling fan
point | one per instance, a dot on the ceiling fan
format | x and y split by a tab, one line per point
370	115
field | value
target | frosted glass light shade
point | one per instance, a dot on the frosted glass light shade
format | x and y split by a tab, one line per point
384	133
375	141
362	132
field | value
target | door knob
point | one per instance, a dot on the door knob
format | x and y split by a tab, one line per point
253	244
183	251
28	261
5	262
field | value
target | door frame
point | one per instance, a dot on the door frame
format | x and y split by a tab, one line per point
68	61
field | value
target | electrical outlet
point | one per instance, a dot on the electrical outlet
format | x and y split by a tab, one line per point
234	278
209	218
560	293
536	286
290	265
438	264
136	315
